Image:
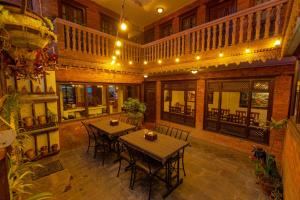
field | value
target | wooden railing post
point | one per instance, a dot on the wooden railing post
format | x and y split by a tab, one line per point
267	26
258	24
67	46
226	33
241	36
220	35
249	29
233	31
277	21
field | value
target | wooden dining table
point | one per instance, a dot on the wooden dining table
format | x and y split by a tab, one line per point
112	131
164	149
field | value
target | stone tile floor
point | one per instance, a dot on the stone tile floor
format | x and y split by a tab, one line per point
213	172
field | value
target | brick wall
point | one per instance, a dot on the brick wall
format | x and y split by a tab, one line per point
282	88
291	163
74	75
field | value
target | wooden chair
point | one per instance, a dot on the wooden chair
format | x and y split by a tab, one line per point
161	128
90	134
102	143
123	118
181	135
142	163
254	118
240	117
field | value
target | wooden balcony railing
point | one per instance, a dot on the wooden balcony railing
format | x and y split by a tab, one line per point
250	26
79	41
256	23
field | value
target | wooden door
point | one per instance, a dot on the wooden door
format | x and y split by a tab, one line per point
150	100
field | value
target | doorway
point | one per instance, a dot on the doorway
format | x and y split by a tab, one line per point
150	100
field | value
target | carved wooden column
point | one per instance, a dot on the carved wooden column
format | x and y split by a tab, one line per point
67	46
258	23
220	35
267	26
249	29
214	37
241	36
202	39
233	31
277	21
208	38
227	33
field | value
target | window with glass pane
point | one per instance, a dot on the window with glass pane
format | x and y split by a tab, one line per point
72	13
239	107
188	20
178	99
73	101
108	24
95	101
166	29
116	98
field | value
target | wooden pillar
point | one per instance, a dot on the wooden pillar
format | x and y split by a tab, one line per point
4	188
158	100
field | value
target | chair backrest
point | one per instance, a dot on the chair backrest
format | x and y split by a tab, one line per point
123	118
87	128
161	128
179	133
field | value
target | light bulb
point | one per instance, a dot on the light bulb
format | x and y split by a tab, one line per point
221	55
145	76
118	52
247	50
130	62
123	26
160	10
177	60
197	57
194	71
118	43
159	61
277	43
145	62
114	57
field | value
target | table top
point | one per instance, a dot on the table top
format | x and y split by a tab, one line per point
161	149
104	126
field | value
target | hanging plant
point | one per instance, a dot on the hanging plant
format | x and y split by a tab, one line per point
28	35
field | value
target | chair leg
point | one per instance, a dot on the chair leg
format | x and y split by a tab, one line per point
89	145
182	162
131	178
150	187
95	152
120	163
134	177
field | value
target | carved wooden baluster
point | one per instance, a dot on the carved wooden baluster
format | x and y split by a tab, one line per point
67	46
88	46
203	39
267	26
84	42
79	41
168	49
171	48
220	34
277	21
249	29
74	38
234	31
106	47
183	40
175	47
193	41
102	46
214	37
198	41
241	36
92	38
208	38
164	49
258	24
227	33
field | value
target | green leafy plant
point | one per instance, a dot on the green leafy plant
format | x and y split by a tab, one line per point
134	108
10	107
17	178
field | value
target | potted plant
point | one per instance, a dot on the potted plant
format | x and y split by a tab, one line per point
135	110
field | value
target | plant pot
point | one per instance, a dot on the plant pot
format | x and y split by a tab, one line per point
42	120
30	154
54	148
267	185
44	151
28	122
2	153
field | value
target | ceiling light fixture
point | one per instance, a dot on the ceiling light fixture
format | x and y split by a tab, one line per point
177	60
113	62
159	61
145	62
114	57
221	55
194	71
130	62
118	52
145	76
247	50
197	57
160	10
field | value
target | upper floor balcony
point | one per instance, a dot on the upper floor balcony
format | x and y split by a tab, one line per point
253	34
